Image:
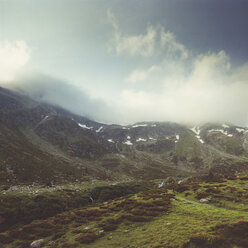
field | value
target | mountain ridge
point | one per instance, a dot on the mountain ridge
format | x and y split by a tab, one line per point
143	150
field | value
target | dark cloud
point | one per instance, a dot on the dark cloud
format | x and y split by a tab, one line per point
55	91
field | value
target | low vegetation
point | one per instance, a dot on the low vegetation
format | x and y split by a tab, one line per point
171	216
20	208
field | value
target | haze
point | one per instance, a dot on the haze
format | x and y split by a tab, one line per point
130	61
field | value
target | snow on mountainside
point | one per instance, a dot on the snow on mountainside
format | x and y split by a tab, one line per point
141	150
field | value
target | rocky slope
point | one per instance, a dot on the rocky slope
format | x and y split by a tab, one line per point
47	144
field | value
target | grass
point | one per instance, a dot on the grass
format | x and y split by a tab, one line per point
20	208
154	218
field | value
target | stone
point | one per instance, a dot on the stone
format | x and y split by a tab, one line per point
37	243
51	244
203	200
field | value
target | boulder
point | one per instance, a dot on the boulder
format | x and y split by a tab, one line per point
161	184
37	243
205	201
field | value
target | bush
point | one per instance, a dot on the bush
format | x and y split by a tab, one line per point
5	239
109	227
87	238
110	192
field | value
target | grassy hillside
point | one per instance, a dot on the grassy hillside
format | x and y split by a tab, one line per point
22	162
171	216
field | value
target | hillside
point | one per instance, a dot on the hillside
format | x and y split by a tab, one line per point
200	212
68	181
47	144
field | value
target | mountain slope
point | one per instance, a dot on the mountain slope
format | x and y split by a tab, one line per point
44	143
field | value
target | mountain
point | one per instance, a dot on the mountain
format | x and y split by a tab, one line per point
68	181
41	143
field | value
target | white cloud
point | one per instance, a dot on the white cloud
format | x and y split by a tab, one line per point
142	45
151	43
13	56
210	91
141	75
171	45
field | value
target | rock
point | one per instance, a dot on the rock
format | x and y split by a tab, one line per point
51	244
187	202
203	200
161	184
37	243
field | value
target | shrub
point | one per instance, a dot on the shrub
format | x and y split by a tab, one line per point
5	239
87	238
109	227
134	218
201	194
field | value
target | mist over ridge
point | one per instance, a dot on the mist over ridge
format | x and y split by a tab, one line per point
123	70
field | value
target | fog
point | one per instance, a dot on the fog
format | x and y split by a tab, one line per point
46	89
212	91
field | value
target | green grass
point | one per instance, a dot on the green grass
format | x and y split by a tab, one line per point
151	219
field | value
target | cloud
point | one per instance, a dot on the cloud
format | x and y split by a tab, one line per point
166	82
154	41
13	56
45	88
204	89
171	45
140	75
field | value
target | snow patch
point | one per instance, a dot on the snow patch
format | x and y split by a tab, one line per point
111	141
199	138
139	125
225	126
177	138
126	128
240	130
128	142
140	139
196	130
128	137
99	129
151	138
84	126
220	130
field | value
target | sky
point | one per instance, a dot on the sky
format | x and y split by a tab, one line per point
127	61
